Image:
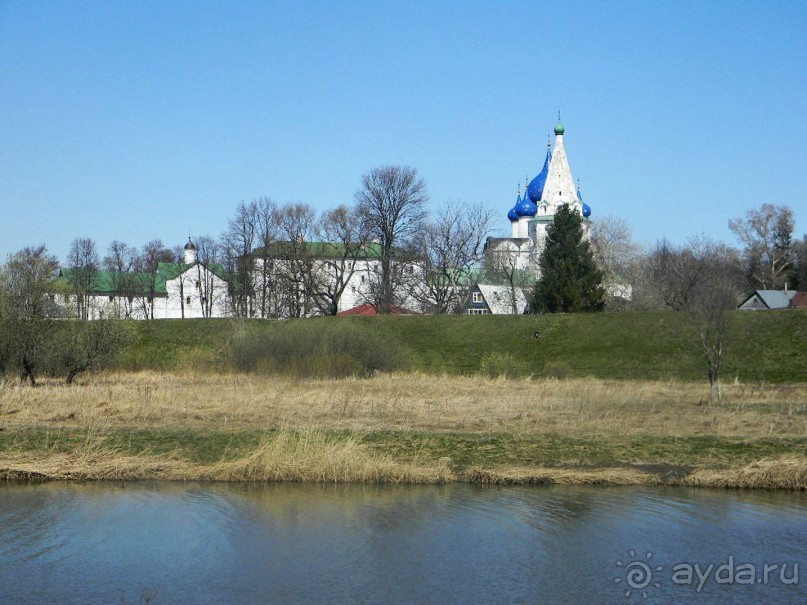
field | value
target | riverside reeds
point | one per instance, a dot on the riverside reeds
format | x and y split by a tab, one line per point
404	428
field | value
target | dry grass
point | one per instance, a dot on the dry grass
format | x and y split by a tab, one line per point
411	402
781	473
314	456
287	456
319	429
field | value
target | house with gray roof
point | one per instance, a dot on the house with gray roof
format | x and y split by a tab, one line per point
763	300
487	299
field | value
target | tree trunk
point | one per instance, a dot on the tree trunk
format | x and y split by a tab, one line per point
28	372
714	388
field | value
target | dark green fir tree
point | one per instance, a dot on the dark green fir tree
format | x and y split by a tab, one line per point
570	279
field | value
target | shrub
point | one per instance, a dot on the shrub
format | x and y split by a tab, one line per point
313	349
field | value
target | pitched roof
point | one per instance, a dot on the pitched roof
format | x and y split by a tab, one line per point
135	283
114	282
171	271
371	250
771	299
500	299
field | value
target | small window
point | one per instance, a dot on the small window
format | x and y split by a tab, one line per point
198	284
187	300
478	297
150	300
111	298
411	269
350	265
362	279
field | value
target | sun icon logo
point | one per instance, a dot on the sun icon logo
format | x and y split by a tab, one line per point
638	574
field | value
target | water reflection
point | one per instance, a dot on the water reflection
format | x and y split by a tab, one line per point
294	543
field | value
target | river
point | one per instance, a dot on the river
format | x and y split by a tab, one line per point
191	543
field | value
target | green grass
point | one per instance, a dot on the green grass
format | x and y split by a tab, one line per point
764	346
464	449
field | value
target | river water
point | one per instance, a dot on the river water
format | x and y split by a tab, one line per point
188	543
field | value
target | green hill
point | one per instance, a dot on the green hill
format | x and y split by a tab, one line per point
764	346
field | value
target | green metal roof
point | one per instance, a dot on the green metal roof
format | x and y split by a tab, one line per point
112	282
171	271
137	283
371	250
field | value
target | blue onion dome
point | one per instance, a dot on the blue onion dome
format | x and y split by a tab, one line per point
525	207
189	245
586	210
536	187
513	214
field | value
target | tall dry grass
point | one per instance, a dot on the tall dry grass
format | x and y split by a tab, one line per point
408	402
309	455
312	455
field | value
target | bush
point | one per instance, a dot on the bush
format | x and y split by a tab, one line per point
313	348
79	346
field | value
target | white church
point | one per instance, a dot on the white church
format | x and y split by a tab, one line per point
529	218
180	290
535	211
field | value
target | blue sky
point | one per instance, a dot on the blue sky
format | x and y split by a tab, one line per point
144	120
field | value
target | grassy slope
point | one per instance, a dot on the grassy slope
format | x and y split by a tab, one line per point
764	345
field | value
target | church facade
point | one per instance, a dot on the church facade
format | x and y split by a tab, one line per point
534	212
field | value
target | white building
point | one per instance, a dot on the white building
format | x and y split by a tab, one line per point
533	213
302	279
183	290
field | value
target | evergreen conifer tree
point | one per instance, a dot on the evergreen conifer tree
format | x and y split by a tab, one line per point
570	279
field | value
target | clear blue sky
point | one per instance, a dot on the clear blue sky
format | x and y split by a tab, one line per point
142	120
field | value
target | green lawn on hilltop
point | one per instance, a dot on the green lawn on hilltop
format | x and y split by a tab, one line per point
769	345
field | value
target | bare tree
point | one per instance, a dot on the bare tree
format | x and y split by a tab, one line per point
263	261
83	264
148	277
615	253
119	262
799	272
238	243
83	346
699	279
27	284
391	202
294	274
342	241
502	266
178	254
450	246
405	277
767	235
207	256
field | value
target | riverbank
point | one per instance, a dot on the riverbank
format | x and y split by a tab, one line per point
404	428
